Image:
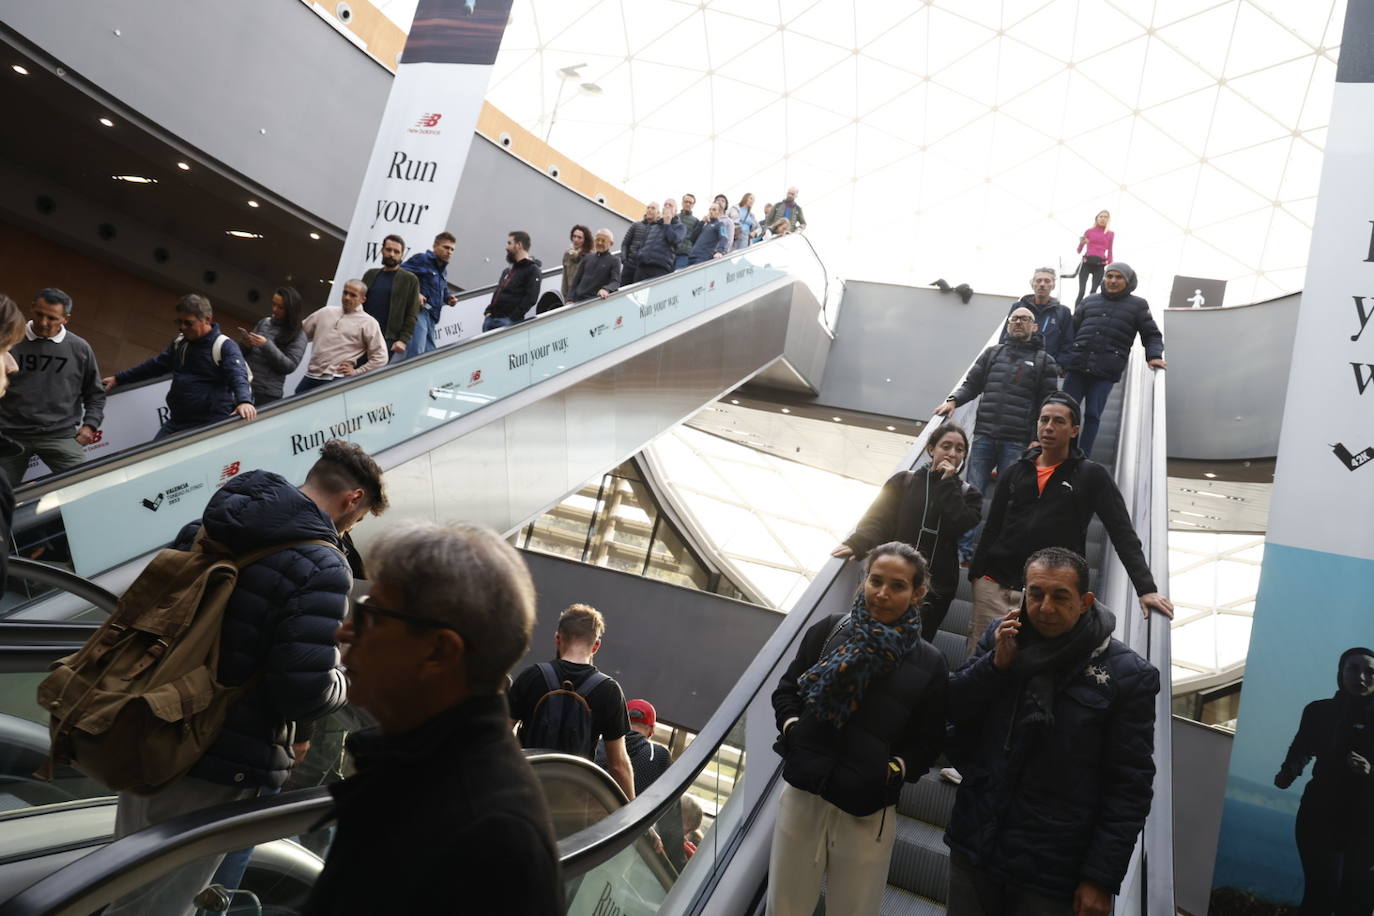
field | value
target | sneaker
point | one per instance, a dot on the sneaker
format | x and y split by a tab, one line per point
951	775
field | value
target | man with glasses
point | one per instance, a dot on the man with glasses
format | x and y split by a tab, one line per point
444	809
1013	378
277	639
210	379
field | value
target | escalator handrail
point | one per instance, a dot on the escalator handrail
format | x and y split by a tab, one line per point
95	467
602	841
130	862
59	578
1141	464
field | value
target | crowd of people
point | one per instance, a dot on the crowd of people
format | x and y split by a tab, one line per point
1047	725
388	314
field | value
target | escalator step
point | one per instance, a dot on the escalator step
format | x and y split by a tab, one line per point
954	647
897	902
920	860
957	620
929	799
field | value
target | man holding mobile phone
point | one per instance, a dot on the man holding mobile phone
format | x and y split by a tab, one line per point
1052	725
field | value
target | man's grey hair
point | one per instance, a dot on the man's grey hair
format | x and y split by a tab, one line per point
362	287
54	296
195	305
606	232
469	578
1045	270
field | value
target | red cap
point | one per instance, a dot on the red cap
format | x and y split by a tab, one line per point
642	711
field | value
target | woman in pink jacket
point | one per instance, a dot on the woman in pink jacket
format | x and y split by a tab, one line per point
1098	241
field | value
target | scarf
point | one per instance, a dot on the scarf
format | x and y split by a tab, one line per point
1042	662
834	687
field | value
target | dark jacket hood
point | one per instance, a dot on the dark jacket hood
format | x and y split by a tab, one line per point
259	508
1126	271
1028	301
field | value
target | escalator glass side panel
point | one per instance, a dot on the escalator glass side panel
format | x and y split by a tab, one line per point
154	496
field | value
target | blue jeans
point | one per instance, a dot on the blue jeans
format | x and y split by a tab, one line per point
492	322
307	383
422	339
984	456
1091	393
680	263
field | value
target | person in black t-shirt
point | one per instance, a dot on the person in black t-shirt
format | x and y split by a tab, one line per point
577	641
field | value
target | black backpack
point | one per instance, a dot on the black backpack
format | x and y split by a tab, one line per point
562	719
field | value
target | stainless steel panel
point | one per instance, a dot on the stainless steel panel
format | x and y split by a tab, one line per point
471	481
410	489
537	458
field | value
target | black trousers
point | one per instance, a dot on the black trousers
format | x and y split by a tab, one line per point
1337	855
1086	270
933	611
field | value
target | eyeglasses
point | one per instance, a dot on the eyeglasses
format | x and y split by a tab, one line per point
1017	319
362	614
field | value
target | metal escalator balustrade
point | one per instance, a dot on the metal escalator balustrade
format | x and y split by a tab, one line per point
729	872
131	504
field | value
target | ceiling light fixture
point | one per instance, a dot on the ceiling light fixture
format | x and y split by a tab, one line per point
106	122
1209	475
185	167
134	179
733	401
892	429
315	236
785	410
20	69
836	419
254	204
243	234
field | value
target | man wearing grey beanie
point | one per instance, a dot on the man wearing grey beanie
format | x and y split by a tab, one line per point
1105	325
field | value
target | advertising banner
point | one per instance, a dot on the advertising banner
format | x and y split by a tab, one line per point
1297	820
425	132
154	497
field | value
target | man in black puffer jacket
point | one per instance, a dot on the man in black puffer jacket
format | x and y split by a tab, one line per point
1013	378
278	634
1104	327
633	241
1052	726
658	252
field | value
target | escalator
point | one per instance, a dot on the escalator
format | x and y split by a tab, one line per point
492	430
728	775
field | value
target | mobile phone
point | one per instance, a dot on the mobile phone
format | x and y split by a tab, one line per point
1021	633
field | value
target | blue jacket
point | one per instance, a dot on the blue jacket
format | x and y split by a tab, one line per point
714	238
279	623
433	276
659	248
1048	810
1104	327
202	392
1053	322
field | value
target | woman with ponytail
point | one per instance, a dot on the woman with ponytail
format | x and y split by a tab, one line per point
860	711
1335	842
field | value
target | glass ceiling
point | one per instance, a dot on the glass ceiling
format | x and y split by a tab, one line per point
956	139
772	521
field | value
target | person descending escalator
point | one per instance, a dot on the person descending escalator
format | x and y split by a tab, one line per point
860	711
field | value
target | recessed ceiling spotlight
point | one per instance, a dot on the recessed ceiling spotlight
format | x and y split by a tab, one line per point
1209	475
184	166
134	179
733	401
836	419
785	410
20	69
315	236
254	204
106	122
892	429
243	234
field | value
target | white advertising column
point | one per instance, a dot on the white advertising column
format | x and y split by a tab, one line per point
426	130
1300	792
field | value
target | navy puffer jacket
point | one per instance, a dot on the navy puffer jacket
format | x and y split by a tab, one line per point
202	391
280	622
1013	378
1047	810
660	243
1104	327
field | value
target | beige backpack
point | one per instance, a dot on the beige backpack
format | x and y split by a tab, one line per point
140	702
